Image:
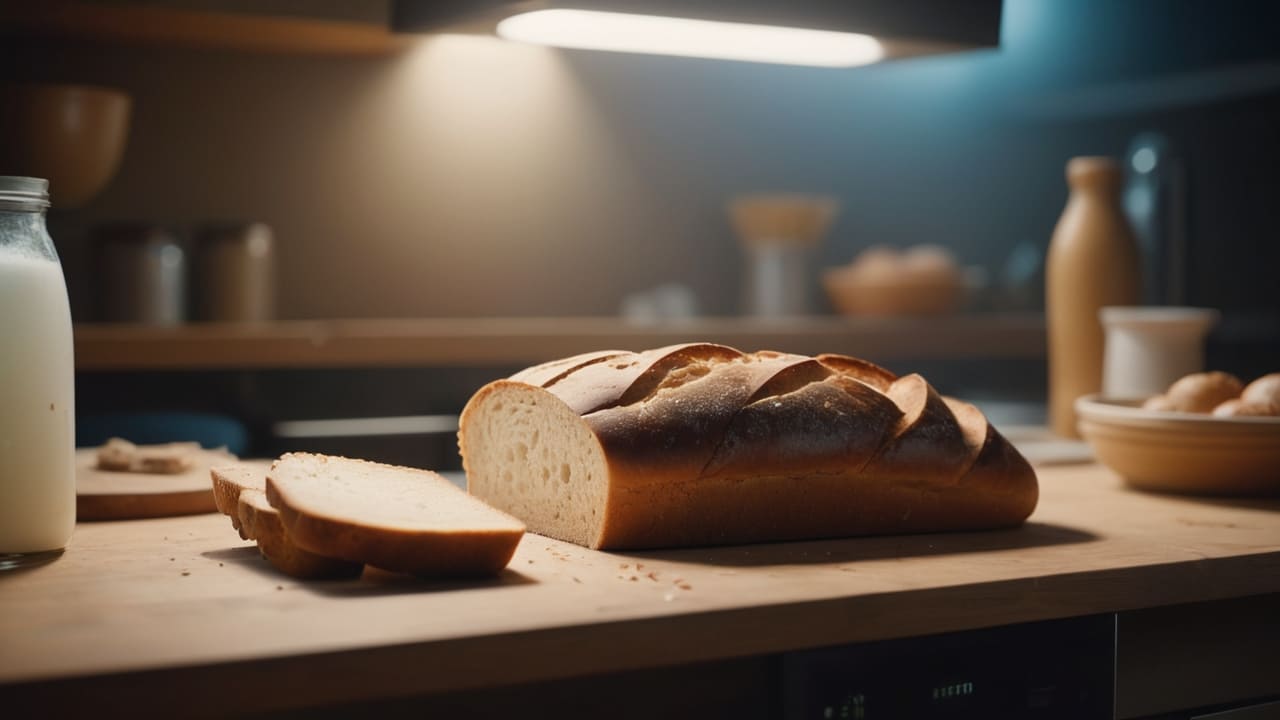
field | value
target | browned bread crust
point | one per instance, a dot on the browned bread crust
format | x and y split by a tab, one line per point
239	492
262	522
228	482
703	444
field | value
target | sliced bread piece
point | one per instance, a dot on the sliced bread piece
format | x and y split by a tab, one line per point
120	455
228	482
393	518
166	459
261	521
116	454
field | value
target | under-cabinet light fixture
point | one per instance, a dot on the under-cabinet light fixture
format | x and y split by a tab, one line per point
626	32
830	33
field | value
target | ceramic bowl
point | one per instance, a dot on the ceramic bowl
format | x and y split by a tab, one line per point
1183	452
854	296
71	135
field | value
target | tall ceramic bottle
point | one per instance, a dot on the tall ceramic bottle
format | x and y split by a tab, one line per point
1093	262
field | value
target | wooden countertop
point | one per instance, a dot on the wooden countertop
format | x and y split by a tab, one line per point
168	612
520	341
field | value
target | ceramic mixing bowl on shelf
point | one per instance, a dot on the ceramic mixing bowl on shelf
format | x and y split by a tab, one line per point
71	135
886	281
1183	452
851	295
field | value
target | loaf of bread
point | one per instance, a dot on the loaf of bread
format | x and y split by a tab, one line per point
701	444
394	518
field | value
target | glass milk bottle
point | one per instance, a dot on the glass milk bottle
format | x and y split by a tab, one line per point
1093	262
37	376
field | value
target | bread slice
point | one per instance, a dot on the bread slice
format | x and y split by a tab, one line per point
394	518
239	491
116	454
229	481
120	455
167	459
262	522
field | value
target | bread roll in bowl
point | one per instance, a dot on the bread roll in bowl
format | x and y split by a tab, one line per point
1236	407
929	264
1202	392
1263	391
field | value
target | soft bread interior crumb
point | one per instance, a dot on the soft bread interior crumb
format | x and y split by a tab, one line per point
252	506
340	488
529	454
229	482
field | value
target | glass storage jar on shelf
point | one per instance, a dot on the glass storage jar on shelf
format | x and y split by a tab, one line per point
37	377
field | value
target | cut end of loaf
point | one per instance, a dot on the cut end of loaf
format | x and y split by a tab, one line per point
528	453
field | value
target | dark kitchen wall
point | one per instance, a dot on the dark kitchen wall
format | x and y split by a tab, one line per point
968	150
473	177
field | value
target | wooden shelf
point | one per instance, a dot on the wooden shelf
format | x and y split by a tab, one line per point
162	616
139	24
521	341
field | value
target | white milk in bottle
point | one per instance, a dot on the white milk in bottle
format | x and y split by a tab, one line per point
37	375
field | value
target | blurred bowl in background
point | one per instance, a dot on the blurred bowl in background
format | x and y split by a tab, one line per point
851	295
883	281
71	135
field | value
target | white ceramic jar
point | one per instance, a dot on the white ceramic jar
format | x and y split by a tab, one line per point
37	377
1148	348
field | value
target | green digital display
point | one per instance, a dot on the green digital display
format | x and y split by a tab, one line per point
948	691
851	707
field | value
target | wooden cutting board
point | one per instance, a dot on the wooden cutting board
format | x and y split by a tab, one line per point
109	495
